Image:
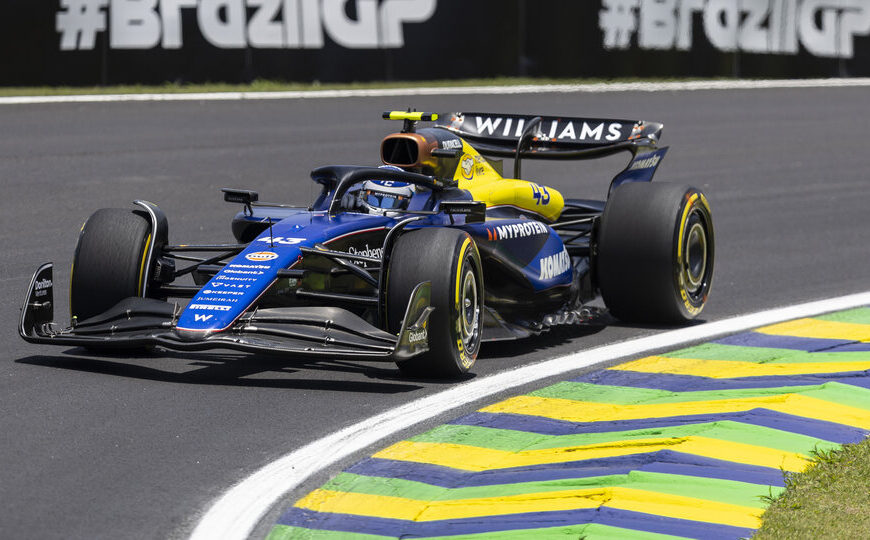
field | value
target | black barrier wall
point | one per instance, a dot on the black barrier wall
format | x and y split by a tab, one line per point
84	42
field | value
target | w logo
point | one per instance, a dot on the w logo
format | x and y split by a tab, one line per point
201	318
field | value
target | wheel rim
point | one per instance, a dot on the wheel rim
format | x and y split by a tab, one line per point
695	257
469	308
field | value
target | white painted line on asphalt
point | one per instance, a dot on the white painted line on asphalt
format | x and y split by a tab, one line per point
236	513
738	84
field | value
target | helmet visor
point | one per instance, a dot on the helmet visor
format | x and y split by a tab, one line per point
387	201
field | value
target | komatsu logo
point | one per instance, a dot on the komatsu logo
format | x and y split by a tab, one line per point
555	265
648	163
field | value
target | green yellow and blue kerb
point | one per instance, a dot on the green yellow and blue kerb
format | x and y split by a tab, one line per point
686	444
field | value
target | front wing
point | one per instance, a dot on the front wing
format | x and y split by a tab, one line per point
320	332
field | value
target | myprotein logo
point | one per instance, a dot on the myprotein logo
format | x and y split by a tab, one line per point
517	230
238	24
825	28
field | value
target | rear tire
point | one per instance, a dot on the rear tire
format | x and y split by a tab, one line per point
448	258
109	261
655	253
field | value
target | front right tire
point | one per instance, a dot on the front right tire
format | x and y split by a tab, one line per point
448	258
109	261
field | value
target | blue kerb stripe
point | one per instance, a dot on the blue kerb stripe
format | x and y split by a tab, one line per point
757	339
298	517
663	461
819	429
692	383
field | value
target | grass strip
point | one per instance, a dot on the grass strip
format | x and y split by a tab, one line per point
829	500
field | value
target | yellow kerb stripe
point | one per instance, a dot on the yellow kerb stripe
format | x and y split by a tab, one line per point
585	411
729	369
473	458
636	500
815	328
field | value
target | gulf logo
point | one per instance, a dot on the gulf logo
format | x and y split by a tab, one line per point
259	256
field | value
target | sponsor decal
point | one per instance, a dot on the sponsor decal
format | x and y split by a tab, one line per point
417	336
262	256
239	24
209	307
648	163
467	165
229	285
41	287
283	240
198	317
517	230
549	130
237	293
555	265
224	277
452	144
825	28
259	266
249	272
366	251
218	299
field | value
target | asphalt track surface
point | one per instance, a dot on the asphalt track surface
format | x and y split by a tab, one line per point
99	446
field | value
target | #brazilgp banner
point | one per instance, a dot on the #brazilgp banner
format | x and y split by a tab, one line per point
152	41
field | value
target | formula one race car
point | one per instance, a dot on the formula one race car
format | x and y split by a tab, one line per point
415	262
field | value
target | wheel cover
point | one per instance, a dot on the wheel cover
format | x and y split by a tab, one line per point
469	309
695	257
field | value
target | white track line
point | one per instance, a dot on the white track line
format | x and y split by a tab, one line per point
236	513
737	84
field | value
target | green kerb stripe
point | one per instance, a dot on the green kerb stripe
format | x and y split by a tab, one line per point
834	392
856	316
516	441
759	355
710	489
591	531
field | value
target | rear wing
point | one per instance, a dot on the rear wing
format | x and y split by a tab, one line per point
550	137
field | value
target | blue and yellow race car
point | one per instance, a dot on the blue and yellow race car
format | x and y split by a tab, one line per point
417	261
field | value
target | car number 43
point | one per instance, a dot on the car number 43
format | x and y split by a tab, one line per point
540	194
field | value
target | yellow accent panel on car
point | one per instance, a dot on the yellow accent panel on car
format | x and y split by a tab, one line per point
476	175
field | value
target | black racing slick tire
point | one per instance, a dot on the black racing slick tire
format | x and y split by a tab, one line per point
655	253
109	261
448	258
